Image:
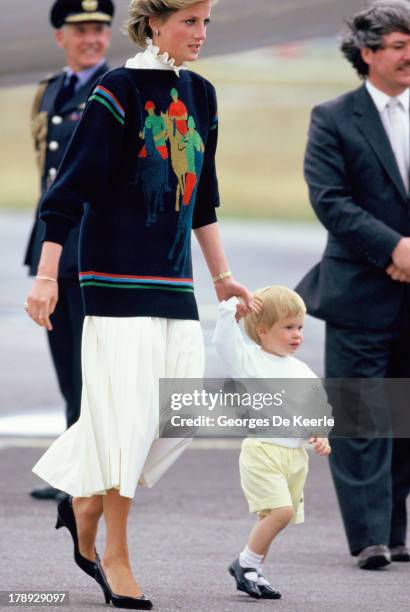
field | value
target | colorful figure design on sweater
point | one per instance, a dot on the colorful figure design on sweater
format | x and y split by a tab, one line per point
155	168
185	152
179	160
178	113
193	144
193	147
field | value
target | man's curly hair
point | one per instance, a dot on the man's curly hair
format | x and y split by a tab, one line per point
367	28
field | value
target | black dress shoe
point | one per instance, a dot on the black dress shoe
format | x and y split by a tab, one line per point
246	579
66	518
45	493
399	553
374	557
120	601
60	496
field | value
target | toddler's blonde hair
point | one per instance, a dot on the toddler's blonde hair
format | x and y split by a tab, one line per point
278	302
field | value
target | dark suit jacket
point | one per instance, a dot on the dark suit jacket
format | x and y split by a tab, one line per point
61	126
358	194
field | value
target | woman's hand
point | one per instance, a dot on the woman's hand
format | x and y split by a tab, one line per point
242	309
228	287
41	302
42	299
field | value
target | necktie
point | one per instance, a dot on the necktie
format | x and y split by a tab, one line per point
66	92
398	140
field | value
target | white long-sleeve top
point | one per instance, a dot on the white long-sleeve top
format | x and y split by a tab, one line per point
249	360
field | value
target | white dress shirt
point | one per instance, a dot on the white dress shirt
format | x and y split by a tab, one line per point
83	75
398	131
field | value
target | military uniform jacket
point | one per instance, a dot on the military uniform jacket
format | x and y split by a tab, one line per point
52	132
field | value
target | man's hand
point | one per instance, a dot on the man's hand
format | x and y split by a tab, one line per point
397	275
401	256
321	446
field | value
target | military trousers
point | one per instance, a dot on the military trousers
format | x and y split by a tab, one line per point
65	345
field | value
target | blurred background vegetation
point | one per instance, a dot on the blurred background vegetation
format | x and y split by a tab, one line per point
265	98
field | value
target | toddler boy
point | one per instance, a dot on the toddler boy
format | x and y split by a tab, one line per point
272	470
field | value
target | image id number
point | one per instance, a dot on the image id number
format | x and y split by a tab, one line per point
39	598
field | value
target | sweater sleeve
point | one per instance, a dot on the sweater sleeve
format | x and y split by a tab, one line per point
92	160
229	342
207	198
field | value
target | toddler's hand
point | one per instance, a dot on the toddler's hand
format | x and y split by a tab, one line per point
241	310
321	446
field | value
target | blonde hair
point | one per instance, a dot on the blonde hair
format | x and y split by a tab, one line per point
137	26
278	302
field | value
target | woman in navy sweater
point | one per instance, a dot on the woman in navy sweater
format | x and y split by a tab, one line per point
140	175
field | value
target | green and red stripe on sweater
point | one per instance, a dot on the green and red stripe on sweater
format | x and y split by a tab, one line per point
106	98
128	281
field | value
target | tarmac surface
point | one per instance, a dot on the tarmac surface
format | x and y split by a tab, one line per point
186	530
184	533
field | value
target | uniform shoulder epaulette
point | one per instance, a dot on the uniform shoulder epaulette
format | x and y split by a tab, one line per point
49	77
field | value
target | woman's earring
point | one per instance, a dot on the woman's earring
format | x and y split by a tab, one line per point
157	32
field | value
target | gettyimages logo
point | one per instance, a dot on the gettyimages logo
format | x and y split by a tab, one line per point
237	408
210	400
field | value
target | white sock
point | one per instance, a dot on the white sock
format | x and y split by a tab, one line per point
248	558
262	581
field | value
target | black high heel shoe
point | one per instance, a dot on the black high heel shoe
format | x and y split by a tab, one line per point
66	518
120	601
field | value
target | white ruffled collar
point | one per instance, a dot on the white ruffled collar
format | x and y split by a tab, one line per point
151	59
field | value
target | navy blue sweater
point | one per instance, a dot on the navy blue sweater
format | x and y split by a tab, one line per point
143	160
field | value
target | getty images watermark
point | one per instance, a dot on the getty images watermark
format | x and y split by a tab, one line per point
285	408
236	408
258	401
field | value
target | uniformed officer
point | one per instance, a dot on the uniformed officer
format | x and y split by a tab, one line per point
82	30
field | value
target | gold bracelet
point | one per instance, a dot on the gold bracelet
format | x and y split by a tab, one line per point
221	276
46	278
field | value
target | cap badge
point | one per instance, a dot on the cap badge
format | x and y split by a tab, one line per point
89	5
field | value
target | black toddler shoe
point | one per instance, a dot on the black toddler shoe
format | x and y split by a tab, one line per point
268	592
246	579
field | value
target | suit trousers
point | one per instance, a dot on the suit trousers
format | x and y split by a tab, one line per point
65	345
371	475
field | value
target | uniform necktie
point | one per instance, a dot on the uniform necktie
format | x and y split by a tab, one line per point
66	92
398	140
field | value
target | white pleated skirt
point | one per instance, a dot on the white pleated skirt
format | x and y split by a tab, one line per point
115	442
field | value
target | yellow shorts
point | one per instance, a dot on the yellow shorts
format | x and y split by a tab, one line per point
273	476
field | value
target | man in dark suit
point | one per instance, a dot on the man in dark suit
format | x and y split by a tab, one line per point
82	30
357	170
